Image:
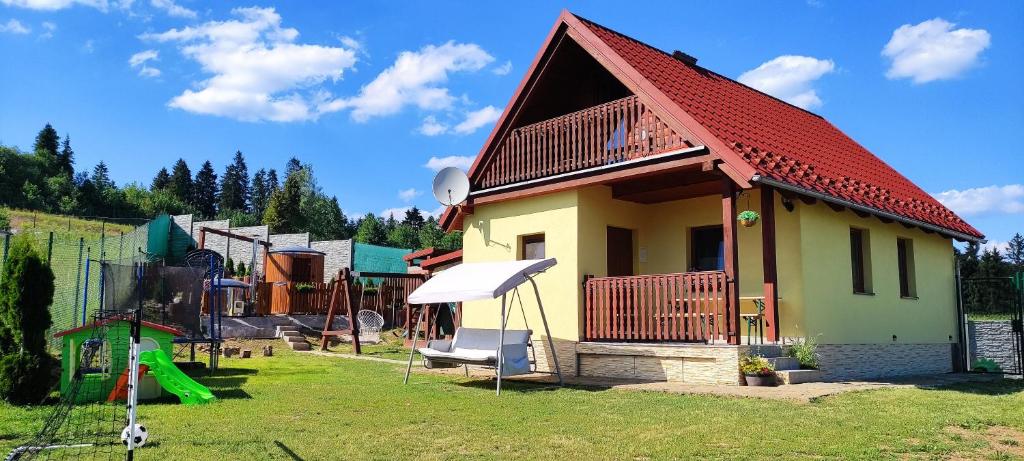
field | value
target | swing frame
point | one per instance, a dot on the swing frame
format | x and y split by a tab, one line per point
527	276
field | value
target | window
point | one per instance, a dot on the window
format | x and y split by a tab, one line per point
905	260
533	246
860	257
707	249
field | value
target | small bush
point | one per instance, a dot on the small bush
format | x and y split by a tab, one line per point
806	352
304	287
26	378
755	365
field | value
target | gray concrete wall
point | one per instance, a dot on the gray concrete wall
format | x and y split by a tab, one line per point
338	255
213	242
993	340
240	251
284	240
184	221
843	362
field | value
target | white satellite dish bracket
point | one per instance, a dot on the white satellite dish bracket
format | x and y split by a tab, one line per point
451	186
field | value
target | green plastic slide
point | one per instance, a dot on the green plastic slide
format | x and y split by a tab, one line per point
174	380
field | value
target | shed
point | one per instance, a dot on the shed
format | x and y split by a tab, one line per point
294	264
293	281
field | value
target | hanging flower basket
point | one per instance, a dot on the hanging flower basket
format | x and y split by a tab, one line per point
748	218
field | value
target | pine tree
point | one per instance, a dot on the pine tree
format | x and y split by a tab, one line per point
205	191
181	181
431	234
969	260
283	212
371	231
161	181
414	218
45	147
272	183
234	185
260	194
66	158
293	165
26	291
101	177
1015	252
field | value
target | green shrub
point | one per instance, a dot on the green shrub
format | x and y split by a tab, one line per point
26	291
755	365
986	365
5	221
26	378
806	352
304	287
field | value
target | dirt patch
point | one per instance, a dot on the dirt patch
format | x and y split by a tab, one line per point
999	442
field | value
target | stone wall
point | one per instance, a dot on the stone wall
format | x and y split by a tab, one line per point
993	340
214	242
693	364
338	255
240	251
844	362
285	240
183	221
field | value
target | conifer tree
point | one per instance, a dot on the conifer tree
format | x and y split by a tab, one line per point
234	185
181	181
260	196
66	158
205	191
161	181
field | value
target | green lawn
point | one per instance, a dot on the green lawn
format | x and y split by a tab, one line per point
294	406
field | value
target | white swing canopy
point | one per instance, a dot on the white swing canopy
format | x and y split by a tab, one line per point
482	280
504	350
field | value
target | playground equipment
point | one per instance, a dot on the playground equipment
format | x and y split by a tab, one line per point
174	380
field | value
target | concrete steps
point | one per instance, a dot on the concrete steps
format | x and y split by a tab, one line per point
293	338
798	376
784	363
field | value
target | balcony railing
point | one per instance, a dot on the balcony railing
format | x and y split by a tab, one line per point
686	307
615	131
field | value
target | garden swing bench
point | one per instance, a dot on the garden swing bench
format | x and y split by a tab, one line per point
507	351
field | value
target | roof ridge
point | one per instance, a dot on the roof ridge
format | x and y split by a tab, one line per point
695	65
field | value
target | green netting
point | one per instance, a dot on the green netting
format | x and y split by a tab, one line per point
158	237
373	258
179	243
74	260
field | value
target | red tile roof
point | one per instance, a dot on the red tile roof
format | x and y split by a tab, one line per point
782	142
155	326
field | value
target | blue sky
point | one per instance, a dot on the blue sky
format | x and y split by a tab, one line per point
369	93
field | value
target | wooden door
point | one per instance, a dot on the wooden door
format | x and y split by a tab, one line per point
620	252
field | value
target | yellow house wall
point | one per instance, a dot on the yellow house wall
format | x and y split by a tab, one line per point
492	233
839	316
662	232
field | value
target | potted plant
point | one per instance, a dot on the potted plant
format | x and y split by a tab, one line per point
304	287
758	371
748	218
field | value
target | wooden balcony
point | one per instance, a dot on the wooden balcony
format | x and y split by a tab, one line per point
683	307
616	131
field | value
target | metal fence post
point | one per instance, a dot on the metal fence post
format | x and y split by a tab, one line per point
78	283
49	249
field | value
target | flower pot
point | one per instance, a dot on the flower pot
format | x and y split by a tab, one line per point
759	380
748	222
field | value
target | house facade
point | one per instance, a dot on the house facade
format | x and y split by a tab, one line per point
630	166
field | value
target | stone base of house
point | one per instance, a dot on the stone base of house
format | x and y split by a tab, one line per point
847	362
719	364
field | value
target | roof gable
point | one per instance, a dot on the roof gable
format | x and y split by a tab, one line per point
756	136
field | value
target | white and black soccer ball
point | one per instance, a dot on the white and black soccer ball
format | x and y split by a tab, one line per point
140	435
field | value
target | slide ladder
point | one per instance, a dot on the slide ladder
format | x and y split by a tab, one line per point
173	380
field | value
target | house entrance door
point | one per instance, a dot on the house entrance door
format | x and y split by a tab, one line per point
620	252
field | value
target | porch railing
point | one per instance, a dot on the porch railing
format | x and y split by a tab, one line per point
684	307
619	130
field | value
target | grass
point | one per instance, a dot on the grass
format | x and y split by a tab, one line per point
301	406
33	221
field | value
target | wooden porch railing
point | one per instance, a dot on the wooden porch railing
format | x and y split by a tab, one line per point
619	130
686	307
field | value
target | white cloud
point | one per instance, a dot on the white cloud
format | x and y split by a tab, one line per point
478	118
49	28
14	26
1008	199
139	61
350	42
933	50
789	78
407	195
1003	247
440	163
437	211
173	9
432	127
89	46
503	69
398	212
416	78
53	5
259	72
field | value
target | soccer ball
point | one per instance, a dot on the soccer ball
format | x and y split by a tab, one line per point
140	435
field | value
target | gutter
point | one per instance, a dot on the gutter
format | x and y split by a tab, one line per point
655	158
874	211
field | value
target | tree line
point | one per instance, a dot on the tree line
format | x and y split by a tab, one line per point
45	179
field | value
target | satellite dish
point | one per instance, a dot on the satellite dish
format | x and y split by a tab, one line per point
451	186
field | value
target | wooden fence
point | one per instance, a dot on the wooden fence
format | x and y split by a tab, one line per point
685	307
390	291
619	130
